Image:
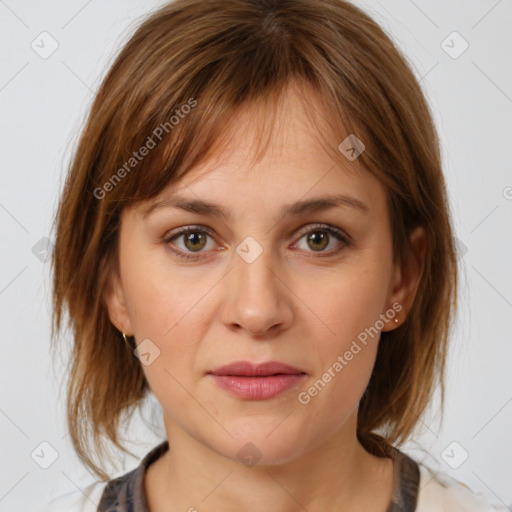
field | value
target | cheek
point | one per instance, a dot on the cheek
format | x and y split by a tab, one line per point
169	312
161	296
349	308
166	308
345	305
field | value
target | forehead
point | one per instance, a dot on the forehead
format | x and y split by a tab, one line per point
294	165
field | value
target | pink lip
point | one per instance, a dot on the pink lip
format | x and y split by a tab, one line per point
256	381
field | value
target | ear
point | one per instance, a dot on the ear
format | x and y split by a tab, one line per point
406	276
114	300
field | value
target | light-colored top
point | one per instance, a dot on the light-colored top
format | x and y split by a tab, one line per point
417	488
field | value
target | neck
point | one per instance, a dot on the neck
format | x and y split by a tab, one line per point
336	474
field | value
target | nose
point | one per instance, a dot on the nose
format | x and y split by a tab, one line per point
257	298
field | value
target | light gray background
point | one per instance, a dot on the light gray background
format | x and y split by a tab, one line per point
42	105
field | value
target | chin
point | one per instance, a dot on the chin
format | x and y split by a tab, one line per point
261	445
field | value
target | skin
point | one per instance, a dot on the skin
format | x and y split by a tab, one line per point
290	305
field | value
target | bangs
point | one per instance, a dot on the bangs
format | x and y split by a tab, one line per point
175	138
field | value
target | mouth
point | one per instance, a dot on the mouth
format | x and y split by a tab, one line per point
248	369
250	381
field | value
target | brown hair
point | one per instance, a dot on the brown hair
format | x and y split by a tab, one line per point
216	57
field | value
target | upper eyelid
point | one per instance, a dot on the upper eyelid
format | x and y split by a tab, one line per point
303	230
319	226
184	229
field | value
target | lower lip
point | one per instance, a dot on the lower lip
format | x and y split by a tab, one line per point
257	388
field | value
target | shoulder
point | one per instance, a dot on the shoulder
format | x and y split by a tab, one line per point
440	492
78	501
127	488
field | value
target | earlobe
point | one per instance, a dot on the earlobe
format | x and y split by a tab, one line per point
408	275
114	301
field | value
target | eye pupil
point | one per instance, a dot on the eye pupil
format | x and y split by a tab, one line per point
194	238
318	237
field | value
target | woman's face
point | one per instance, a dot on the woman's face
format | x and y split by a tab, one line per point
268	282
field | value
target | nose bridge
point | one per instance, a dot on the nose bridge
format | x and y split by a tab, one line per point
258	300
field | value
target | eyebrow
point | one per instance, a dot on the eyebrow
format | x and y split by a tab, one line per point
313	205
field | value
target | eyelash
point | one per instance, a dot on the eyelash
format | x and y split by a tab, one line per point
203	230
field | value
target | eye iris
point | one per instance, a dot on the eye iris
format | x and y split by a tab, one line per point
194	237
319	237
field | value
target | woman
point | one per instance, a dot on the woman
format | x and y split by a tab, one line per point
302	338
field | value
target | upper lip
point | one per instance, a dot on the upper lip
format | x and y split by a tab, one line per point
246	368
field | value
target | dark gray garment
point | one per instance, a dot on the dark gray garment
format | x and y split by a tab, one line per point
126	493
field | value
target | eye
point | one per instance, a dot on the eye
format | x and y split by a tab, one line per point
194	240
319	236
